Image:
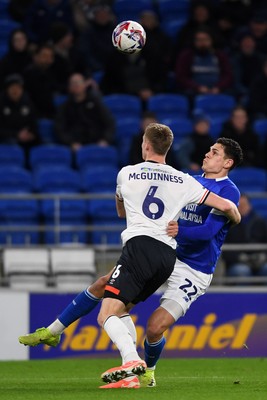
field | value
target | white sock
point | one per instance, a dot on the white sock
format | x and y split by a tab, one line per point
56	328
128	322
122	338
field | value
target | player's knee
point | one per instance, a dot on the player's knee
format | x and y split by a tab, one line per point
155	329
100	319
98	287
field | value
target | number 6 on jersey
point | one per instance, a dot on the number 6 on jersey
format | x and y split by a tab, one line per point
153	207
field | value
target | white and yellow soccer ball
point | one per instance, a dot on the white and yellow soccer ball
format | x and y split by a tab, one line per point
129	37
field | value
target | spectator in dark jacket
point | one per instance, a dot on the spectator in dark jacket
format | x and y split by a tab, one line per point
40	81
18	123
247	64
192	150
17	58
43	14
252	229
239	129
203	69
258	94
257	28
83	119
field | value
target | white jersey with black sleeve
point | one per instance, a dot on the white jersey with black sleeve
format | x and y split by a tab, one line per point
153	195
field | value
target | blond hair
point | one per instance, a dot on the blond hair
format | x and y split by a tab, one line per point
160	137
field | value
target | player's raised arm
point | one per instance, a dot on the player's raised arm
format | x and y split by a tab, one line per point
224	205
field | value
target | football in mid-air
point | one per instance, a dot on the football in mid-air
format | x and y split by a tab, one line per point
129	37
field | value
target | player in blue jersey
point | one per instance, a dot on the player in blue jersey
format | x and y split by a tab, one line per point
202	231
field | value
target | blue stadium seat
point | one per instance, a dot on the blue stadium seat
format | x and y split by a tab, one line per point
181	127
127	128
123	105
7	26
50	155
4	9
99	179
130	10
124	147
249	179
214	105
15	180
93	155
19	212
169	105
216	125
46	130
3	49
260	206
106	236
260	127
59	99
172	26
169	9
11	155
57	180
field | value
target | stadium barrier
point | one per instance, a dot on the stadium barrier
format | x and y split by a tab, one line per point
226	322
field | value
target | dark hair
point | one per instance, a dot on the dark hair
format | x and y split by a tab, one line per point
232	150
43	47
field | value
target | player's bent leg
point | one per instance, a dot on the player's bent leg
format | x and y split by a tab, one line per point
158	323
97	288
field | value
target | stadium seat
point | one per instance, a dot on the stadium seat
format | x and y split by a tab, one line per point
19	213
93	156
99	179
57	180
3	49
169	9
168	106
59	99
249	179
4	13
107	232
124	147
73	268
7	26
172	26
46	130
50	155
181	127
123	105
15	180
260	127
216	125
214	105
11	155
260	206
127	128
26	268
130	10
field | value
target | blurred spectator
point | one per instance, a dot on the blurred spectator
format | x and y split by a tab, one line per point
68	58
17	57
239	11
192	151
257	28
83	119
252	229
127	73
201	17
40	81
258	94
247	64
135	155
227	31
18	124
95	43
83	11
203	69
18	9
43	14
157	51
239	129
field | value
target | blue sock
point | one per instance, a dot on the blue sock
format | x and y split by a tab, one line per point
153	351
84	303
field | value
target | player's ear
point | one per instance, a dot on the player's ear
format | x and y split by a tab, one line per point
228	163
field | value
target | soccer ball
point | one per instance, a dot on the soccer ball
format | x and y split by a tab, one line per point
129	37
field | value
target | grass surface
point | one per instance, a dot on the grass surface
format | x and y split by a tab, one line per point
181	379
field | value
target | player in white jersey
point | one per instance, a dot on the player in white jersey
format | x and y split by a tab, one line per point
140	190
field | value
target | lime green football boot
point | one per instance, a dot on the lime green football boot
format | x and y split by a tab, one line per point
148	379
40	336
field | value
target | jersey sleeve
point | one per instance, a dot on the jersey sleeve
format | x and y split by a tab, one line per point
229	193
119	183
196	192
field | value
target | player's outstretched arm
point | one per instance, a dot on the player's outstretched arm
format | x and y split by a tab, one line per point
224	205
120	207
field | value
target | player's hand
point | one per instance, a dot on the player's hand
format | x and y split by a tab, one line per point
172	228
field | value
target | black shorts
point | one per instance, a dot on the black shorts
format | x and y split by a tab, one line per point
144	265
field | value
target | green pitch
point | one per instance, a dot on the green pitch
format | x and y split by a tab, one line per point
193	379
